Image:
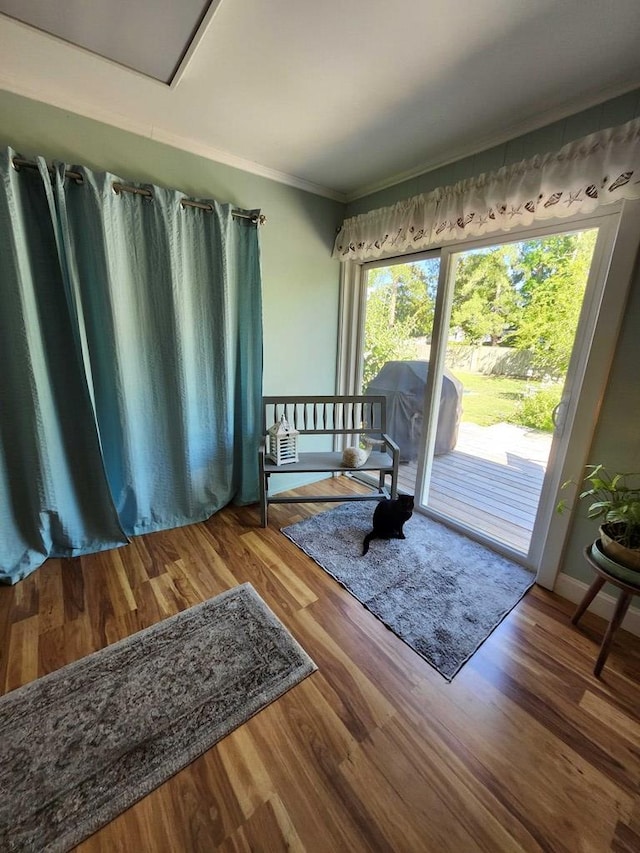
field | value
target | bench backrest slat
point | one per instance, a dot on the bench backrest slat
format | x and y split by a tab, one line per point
344	415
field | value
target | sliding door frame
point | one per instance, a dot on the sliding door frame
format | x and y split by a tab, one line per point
608	287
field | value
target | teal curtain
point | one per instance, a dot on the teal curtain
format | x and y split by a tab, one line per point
156	313
54	497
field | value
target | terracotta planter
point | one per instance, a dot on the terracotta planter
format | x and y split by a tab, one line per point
627	557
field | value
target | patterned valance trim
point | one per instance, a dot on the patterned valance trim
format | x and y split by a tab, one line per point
583	175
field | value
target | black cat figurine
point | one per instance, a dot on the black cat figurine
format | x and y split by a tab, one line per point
388	519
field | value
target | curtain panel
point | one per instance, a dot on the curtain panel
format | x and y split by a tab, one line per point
132	331
579	178
54	496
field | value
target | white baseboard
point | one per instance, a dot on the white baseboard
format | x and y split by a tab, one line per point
602	605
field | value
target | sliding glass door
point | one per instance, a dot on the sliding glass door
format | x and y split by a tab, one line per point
398	328
512	316
481	351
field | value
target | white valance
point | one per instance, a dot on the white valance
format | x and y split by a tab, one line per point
583	175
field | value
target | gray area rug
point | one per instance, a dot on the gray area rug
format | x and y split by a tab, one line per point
79	746
441	593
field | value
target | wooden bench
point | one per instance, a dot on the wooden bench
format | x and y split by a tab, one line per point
337	416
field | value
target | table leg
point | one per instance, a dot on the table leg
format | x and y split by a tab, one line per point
620	612
589	595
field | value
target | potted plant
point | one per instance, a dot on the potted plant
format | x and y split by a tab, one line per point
615	499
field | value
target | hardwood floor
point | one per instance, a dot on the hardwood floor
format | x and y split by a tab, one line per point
524	751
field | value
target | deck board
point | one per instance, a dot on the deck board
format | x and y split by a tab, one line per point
503	460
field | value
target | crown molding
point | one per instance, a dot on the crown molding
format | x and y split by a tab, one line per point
492	140
157	134
227	159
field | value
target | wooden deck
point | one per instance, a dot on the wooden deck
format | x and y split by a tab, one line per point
491	482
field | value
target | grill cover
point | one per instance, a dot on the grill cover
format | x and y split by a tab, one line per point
403	384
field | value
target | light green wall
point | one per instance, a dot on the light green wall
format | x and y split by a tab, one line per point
550	138
300	279
617	439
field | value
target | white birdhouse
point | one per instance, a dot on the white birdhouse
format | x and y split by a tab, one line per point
283	442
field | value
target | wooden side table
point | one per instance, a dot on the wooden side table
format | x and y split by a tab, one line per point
627	591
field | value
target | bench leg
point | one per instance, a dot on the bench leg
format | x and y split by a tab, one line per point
264	490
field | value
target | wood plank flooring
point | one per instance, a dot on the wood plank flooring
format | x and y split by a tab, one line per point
524	751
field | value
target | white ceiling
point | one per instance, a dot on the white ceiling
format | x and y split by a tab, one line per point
113	31
344	96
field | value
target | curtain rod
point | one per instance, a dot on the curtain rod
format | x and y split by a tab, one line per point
256	218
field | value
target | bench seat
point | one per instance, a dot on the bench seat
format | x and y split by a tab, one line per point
347	418
329	461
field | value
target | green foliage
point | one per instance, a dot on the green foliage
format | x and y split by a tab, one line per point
410	293
527	294
536	408
554	273
386	338
615	499
485	300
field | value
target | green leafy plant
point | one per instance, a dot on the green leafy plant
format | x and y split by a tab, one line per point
536	408
615	499
386	338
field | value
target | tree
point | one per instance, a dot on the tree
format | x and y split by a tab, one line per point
554	273
412	289
386	338
485	299
528	294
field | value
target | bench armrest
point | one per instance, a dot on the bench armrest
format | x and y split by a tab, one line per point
391	443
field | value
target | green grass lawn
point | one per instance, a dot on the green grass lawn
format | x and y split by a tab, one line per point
488	400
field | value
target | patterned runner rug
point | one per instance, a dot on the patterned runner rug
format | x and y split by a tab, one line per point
81	745
441	593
